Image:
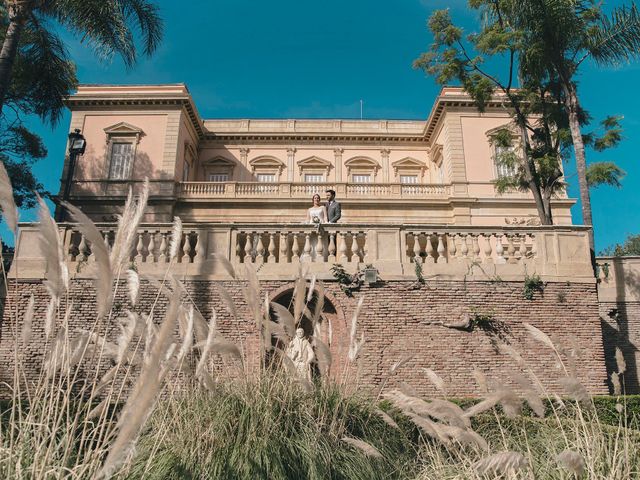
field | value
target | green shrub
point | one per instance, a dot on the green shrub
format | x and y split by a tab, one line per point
271	429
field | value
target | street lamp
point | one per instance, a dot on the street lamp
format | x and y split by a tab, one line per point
77	146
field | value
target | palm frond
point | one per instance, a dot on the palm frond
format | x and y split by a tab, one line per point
617	37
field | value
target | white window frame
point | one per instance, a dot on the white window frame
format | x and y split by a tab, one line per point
264	177
218	177
123	170
314	178
361	178
413	179
503	170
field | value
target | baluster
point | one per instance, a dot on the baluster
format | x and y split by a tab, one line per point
488	258
430	257
499	250
511	249
464	250
82	249
364	248
355	248
416	248
441	250
451	243
332	247
247	248
271	249
284	248
91	257
162	251
534	246
343	248
307	248
295	249
151	256
320	248
186	249
201	247
139	248
260	250
520	246
476	247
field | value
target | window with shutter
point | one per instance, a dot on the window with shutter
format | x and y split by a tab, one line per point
121	161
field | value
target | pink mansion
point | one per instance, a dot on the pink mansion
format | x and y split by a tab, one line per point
412	191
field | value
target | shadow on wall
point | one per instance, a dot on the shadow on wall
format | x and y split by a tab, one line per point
91	172
621	326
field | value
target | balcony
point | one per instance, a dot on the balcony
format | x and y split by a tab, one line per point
556	253
209	190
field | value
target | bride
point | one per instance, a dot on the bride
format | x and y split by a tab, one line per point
317	211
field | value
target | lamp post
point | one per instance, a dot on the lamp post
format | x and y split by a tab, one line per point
77	146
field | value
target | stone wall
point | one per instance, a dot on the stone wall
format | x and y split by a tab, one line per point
396	321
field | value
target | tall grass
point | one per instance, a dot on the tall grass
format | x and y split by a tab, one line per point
150	395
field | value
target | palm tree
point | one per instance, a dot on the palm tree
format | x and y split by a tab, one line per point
109	26
567	33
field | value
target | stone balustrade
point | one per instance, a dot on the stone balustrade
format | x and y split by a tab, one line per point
203	190
509	252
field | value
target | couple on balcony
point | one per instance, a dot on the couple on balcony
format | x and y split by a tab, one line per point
327	213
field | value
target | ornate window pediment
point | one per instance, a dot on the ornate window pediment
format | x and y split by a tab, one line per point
267	165
409	165
314	164
219	168
123	129
360	167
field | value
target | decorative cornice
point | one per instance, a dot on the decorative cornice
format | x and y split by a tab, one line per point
136	100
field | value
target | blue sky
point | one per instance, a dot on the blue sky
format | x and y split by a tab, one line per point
248	58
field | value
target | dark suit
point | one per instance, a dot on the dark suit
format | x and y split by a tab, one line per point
333	211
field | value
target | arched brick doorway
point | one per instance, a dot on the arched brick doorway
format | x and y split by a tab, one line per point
331	328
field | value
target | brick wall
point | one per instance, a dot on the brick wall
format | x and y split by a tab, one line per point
396	322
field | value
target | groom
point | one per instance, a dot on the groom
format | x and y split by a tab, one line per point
333	207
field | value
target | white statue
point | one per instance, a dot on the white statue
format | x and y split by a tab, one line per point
301	354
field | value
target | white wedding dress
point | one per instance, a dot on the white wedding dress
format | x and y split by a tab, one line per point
319	212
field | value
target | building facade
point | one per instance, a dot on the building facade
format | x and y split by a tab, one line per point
418	201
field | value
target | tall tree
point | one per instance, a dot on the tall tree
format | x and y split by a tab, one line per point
452	56
496	59
111	27
564	34
42	76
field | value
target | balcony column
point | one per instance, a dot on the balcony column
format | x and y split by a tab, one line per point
337	152
384	154
291	153
244	155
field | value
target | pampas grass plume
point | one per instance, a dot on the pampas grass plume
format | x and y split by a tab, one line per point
368	449
539	335
176	238
435	379
27	322
104	276
572	461
502	463
133	282
620	362
7	202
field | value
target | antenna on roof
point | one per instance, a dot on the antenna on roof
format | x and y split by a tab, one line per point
361	102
